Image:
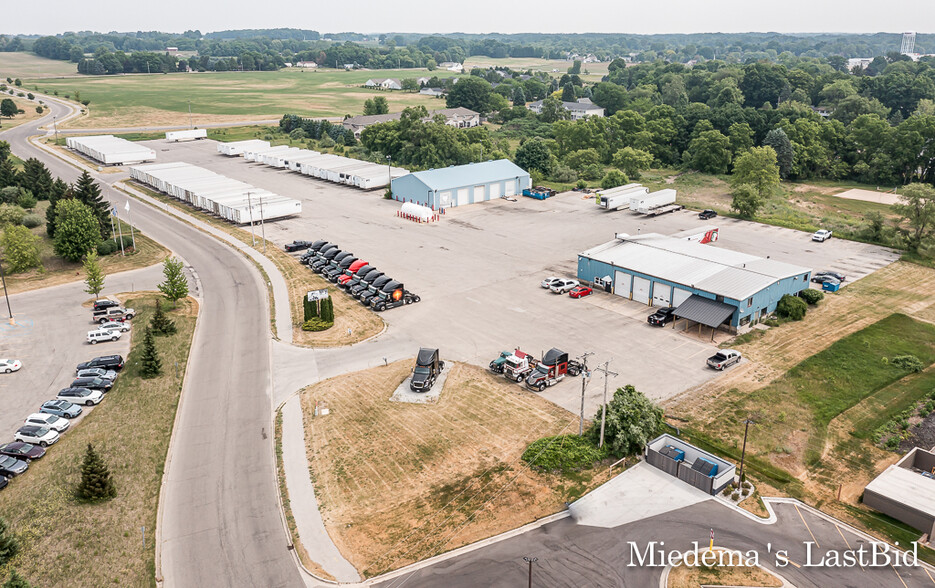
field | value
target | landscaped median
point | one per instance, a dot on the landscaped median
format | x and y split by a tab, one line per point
352	322
65	542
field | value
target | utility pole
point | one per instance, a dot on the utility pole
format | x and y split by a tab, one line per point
743	453
389	173
250	206
530	561
584	383
55	126
7	296
607	372
262	226
190	124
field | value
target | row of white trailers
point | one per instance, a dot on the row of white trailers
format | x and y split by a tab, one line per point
333	168
227	198
110	150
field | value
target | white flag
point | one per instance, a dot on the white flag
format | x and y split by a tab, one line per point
127	207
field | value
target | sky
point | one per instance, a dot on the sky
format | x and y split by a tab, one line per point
475	16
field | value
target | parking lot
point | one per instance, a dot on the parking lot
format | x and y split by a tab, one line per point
478	272
50	339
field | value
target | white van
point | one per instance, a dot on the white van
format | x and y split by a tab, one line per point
102	335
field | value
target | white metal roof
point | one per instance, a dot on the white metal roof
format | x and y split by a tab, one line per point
722	272
906	487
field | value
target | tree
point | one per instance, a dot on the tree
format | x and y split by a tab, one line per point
327	310
519	96
59	190
36	178
917	209
175	286
376	105
161	324
409	85
150	364
582	158
8	108
20	248
96	484
741	138
87	191
94	276
709	152
779	141
632	421
9	544
4	151
77	231
791	307
553	110
568	93
746	200
16	581
534	154
613	179
8	174
631	161
471	92
757	167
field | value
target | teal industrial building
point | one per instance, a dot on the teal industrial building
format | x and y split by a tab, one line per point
706	284
459	185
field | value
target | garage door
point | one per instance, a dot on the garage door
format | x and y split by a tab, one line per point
510	188
641	289
464	197
679	296
622	284
444	199
494	191
478	193
661	294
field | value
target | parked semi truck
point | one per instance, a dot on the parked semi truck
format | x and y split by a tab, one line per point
428	368
391	295
518	365
496	366
356	289
620	197
551	370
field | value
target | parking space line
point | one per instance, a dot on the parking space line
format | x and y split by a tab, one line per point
898	576
928	574
806	526
848	544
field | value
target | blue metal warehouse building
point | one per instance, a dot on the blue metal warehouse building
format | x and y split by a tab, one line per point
706	284
458	185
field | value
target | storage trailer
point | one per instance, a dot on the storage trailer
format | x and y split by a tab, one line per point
187	135
655	203
111	150
237	148
621	196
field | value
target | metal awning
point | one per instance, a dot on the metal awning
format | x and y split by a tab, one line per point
710	313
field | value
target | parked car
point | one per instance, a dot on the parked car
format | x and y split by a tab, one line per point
10	365
563	285
113	314
298	245
19	450
80	396
836	275
95	337
825	279
4	482
706	214
580	292
97	373
93	383
49	421
723	359
121	326
104	304
661	317
107	362
821	235
61	408
37	435
548	282
10	466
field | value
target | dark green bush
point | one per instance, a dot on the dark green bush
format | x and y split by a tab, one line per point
812	296
908	362
31	221
106	247
564	453
317	324
791	307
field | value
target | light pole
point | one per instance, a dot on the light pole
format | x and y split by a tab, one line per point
7	296
604	406
250	206
743	453
389	174
190	124
262	226
55	126
530	561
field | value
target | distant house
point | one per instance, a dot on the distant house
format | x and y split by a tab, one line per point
863	62
423	80
456	117
580	109
384	83
432	92
306	64
451	66
822	111
172	50
350	66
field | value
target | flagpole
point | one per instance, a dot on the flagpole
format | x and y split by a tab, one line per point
113	232
120	228
130	220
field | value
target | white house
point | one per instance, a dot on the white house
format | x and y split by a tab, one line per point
451	66
306	64
384	83
423	80
461	118
580	109
436	92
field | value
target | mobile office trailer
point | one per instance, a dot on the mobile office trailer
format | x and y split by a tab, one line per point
645	203
258	154
272	209
377	177
343	173
111	150
144	173
294	162
319	167
187	135
237	148
276	159
204	197
615	199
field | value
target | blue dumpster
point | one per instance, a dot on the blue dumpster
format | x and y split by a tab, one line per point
831	286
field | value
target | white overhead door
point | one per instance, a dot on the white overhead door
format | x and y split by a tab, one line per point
444	199
622	284
510	188
479	193
494	191
464	197
679	296
661	294
641	289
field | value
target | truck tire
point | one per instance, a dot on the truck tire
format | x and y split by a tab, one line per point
93	341
102	321
540	387
407	300
416	299
518	379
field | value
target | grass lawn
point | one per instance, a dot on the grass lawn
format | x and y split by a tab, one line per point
163	99
27	106
58	271
29	65
594	70
67	543
683	576
401	482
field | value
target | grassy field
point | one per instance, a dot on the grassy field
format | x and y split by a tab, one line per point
27	106
589	71
29	65
683	576
67	543
163	99
58	271
401	482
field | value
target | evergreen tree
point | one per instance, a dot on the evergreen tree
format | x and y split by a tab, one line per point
36	178
175	287
8	175
9	545
779	141
327	310
94	276
16	581
96	483
59	191
311	308
568	92
151	365
87	191
76	230
160	323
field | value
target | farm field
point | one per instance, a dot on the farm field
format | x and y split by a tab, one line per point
595	70
163	99
27	106
29	65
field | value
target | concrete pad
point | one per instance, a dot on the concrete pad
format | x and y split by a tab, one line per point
869	196
404	394
641	492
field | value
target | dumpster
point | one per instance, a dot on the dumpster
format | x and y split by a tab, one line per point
831	286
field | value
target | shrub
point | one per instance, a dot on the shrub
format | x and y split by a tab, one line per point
791	307
26	200
564	453
564	174
107	247
31	221
908	362
735	496
11	214
317	324
581	185
812	296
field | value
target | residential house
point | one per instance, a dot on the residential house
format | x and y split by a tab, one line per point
451	66
306	64
578	110
456	117
384	83
436	92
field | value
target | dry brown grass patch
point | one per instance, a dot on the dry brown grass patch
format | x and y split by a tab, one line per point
683	576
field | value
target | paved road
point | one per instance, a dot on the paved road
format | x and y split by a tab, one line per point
221	523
